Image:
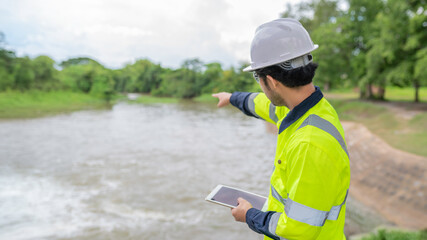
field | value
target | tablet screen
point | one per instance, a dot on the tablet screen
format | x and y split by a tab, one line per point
229	196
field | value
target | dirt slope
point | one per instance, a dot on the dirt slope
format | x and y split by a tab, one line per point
390	181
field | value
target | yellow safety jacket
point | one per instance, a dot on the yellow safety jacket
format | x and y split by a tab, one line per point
311	176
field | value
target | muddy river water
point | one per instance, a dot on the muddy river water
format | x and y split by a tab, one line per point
130	172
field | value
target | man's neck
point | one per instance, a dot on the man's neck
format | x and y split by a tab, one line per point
294	96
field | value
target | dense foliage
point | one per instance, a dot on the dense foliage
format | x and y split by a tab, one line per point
369	44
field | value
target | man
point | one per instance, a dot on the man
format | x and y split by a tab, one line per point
311	176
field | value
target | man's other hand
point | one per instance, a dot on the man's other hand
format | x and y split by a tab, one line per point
239	212
223	97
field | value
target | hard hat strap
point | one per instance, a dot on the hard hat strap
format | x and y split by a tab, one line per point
296	62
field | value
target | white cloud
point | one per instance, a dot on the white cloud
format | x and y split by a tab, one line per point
115	32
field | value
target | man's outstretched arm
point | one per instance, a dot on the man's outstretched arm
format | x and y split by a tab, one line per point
252	104
237	99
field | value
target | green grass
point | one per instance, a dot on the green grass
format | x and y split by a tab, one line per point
148	99
391	94
15	104
405	94
344	93
354	110
393	234
407	134
206	98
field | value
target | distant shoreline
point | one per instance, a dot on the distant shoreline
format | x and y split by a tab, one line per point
31	104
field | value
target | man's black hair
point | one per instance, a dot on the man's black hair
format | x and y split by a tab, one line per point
290	78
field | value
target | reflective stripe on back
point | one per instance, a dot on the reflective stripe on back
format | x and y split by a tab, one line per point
326	126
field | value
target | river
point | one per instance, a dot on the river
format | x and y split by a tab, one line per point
134	171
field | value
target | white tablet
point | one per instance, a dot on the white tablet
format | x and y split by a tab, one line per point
227	196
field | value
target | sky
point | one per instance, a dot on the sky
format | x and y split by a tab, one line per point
118	32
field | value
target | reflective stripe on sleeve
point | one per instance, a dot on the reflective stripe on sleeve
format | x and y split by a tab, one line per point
335	210
272	113
274	220
272	225
326	126
251	104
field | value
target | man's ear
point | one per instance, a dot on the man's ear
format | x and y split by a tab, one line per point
272	82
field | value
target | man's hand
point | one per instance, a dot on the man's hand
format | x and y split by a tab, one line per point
224	98
239	212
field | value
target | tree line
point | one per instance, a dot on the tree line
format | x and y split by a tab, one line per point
86	75
368	44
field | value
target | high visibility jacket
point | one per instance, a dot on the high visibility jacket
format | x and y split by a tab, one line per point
311	176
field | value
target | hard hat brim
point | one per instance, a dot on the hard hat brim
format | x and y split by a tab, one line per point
251	68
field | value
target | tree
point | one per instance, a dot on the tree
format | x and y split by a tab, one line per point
173	84
81	77
359	29
45	74
244	81
193	79
7	61
78	61
333	55
24	74
313	13
142	76
415	45
386	58
103	84
211	77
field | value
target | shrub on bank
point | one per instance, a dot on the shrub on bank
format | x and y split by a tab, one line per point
394	234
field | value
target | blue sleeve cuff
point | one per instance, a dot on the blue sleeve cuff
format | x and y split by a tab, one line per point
259	221
240	101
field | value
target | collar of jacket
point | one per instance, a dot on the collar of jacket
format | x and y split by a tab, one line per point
301	109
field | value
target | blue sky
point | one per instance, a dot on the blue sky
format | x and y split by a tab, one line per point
116	32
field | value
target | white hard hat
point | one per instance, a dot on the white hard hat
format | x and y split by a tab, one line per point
278	41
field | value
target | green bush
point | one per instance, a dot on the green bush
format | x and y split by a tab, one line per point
384	234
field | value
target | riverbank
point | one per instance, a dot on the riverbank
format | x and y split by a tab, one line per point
15	104
389	181
401	124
